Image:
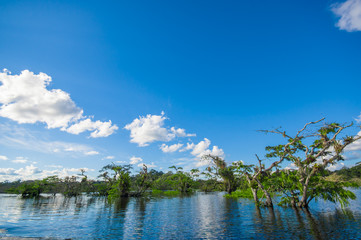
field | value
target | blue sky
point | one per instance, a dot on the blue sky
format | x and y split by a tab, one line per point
205	74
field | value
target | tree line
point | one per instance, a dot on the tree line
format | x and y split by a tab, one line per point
310	152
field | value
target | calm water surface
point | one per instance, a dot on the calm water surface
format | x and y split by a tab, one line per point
200	216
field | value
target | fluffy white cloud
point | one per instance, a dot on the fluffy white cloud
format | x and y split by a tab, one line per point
28	171
350	15
180	132
31	172
172	148
145	130
4	158
108	157
7	171
293	166
24	98
135	160
54	166
100	129
152	165
336	166
202	148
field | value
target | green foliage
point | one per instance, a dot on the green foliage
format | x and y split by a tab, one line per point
334	192
163	182
288	182
71	187
350	173
172	193
306	182
142	182
244	193
157	192
226	173
31	189
310	152
118	181
182	181
169	193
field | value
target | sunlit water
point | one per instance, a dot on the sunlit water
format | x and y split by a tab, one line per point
199	216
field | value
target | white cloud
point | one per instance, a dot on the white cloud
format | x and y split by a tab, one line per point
7	171
336	166
28	171
172	148
350	15
180	132
202	148
355	146
31	173
152	165
145	130
352	155
108	157
91	153
78	169
74	148
292	166
121	162
189	146
54	166
100	129
24	98
135	160
20	160
4	158
358	119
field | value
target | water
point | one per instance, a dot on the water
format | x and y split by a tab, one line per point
200	216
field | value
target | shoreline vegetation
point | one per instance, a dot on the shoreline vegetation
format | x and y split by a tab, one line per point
313	149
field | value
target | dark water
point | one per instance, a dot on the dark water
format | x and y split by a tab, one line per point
200	216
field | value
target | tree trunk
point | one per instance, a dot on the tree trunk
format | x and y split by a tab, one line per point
269	202
255	197
229	188
303	203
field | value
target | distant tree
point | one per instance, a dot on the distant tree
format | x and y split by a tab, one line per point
118	180
226	173
258	178
182	181
32	188
142	182
72	187
210	182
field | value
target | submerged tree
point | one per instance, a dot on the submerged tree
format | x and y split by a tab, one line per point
182	181
72	187
226	173
118	181
311	152
258	178
32	189
142	181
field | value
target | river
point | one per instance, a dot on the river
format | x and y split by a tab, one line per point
199	216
